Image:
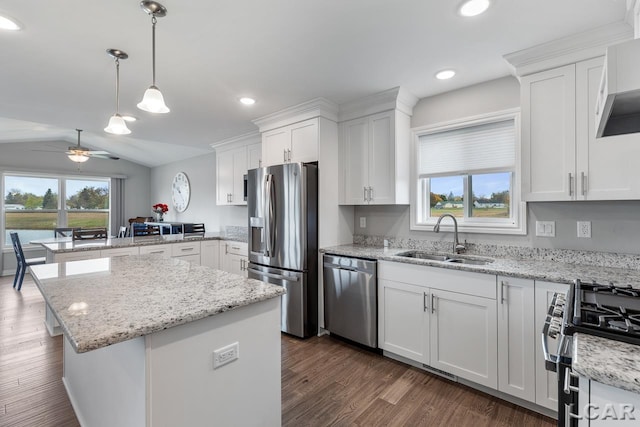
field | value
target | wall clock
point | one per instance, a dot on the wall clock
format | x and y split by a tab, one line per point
180	192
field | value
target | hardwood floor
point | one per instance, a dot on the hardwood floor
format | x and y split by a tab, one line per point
325	382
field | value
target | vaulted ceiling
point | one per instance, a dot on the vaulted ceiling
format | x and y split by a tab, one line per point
55	74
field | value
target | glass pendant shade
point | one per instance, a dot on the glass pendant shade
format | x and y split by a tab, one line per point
78	158
117	125
153	101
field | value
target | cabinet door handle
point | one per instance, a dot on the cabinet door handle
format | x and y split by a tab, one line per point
284	155
583	183
424	302
570	184
364	193
289	155
433	304
371	194
502	292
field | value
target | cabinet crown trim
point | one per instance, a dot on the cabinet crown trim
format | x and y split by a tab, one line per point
396	98
239	140
318	107
568	50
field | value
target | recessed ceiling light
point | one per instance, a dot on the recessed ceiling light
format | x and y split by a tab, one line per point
247	101
445	74
129	118
474	7
8	24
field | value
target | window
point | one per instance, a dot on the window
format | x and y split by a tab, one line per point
469	169
33	205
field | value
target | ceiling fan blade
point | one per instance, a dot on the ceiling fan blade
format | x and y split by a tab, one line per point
99	153
104	156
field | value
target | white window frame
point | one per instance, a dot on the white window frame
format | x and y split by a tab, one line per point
62	208
517	222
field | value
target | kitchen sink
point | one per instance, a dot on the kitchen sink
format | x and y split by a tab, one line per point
456	259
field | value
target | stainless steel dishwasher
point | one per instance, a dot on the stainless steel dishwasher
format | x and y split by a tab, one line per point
351	298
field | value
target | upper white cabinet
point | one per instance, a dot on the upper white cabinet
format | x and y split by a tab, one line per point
561	157
290	144
375	150
234	157
231	166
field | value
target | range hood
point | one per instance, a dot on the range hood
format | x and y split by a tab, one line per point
618	104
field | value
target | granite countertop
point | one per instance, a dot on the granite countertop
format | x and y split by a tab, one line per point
62	245
551	271
105	301
607	361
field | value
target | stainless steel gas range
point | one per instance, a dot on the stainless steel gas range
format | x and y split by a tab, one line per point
604	310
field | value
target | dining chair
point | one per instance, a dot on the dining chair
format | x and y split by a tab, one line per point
63	231
22	262
98	233
122	232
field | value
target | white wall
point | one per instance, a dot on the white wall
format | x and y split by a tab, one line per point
615	224
28	157
201	172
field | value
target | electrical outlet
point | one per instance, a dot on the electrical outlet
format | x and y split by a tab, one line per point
546	228
225	355
363	222
584	229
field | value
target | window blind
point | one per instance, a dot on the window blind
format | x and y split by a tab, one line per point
476	148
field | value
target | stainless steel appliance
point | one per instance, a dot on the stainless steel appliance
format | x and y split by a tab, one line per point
283	239
607	311
351	299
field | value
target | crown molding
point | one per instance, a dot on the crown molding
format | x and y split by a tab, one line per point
567	50
396	98
240	140
318	107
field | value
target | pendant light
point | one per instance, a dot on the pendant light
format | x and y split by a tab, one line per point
117	125
153	101
77	154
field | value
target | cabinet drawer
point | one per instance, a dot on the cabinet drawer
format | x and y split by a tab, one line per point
186	248
236	248
464	282
76	256
164	250
118	252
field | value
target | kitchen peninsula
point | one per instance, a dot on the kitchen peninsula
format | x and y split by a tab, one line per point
144	335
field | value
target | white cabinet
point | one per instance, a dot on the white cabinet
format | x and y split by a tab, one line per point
546	382
374	159
234	258
187	251
442	318
231	166
254	156
561	157
210	253
72	256
402	323
162	250
516	338
297	142
119	252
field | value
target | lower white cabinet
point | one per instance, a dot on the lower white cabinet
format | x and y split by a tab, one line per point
234	258
72	256
464	336
210	253
516	338
452	331
162	250
119	252
546	382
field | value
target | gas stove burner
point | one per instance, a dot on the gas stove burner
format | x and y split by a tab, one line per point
621	325
626	290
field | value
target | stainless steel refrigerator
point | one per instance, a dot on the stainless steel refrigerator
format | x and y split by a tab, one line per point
283	239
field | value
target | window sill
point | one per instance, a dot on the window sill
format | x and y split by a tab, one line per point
474	228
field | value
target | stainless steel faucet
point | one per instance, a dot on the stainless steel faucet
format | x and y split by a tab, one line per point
457	247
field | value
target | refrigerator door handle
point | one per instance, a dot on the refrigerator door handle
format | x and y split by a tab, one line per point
270	210
273	276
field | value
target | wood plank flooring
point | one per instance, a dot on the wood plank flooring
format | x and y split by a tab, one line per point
325	382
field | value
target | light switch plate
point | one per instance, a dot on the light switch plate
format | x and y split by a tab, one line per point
363	222
546	228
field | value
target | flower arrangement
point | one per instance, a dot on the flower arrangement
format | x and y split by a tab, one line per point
160	208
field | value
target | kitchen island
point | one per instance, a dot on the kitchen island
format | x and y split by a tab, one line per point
143	334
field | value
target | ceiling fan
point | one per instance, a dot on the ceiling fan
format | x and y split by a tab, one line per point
80	154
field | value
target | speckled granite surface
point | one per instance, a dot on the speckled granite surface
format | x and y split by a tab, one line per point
609	362
109	300
532	268
236	233
67	245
